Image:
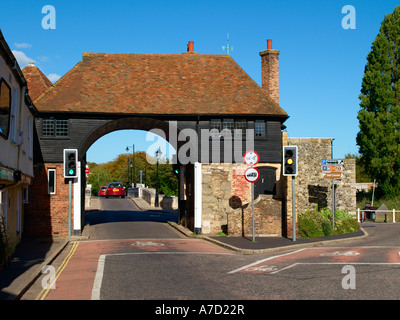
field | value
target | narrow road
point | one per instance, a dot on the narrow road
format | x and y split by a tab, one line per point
135	255
122	219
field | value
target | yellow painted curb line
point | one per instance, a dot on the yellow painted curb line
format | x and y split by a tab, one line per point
42	295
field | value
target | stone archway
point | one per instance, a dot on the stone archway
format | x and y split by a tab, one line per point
169	131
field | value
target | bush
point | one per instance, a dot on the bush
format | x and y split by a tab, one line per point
319	224
313	224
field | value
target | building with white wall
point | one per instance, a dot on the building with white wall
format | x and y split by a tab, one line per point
17	114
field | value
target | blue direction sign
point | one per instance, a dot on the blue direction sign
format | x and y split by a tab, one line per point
339	162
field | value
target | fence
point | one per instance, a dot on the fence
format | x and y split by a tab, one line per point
378	215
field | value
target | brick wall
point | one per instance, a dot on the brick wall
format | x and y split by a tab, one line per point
47	214
267	218
226	203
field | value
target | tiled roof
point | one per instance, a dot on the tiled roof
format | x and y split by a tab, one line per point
37	81
189	84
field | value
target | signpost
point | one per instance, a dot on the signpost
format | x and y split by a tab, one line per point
252	174
333	175
332	169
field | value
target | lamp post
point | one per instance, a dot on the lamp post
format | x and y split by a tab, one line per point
158	156
128	169
132	164
132	174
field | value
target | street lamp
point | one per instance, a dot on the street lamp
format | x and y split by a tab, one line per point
132	174
158	156
127	149
132	164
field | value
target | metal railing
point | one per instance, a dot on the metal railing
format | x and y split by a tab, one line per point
361	214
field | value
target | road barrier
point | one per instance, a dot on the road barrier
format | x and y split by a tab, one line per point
362	214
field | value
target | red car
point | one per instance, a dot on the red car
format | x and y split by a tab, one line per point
102	191
115	189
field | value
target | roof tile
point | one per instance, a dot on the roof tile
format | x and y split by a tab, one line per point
37	81
157	84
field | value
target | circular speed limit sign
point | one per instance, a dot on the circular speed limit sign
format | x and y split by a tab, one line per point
252	174
251	158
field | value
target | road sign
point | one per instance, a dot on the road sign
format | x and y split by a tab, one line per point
333	175
251	158
339	162
252	174
328	168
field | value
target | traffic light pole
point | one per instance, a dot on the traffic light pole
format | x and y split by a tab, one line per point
293	209
69	206
333	203
252	209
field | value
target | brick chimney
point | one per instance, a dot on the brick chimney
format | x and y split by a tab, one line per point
190	46
270	71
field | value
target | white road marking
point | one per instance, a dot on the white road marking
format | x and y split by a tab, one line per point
258	267
263	260
99	278
340	253
334	263
148	243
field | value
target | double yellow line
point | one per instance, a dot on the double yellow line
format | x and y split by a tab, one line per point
45	291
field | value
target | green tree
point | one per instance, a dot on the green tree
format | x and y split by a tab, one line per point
361	175
117	170
379	135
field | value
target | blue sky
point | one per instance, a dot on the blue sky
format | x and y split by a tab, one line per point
321	63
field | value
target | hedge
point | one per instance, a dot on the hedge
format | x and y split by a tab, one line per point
312	223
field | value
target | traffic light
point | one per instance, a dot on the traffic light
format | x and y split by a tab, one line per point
70	163
175	169
290	160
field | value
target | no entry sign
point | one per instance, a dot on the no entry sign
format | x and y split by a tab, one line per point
252	174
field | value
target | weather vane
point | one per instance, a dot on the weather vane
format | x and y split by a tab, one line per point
227	48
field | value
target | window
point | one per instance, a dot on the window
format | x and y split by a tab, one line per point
55	128
228	124
26	194
29	137
5	108
242	125
259	128
48	127
61	128
13	116
52	181
215	128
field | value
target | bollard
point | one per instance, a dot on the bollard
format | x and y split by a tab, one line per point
385	217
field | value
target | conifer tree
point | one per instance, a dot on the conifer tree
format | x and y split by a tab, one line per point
379	135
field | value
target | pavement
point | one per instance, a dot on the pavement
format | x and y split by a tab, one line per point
33	253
